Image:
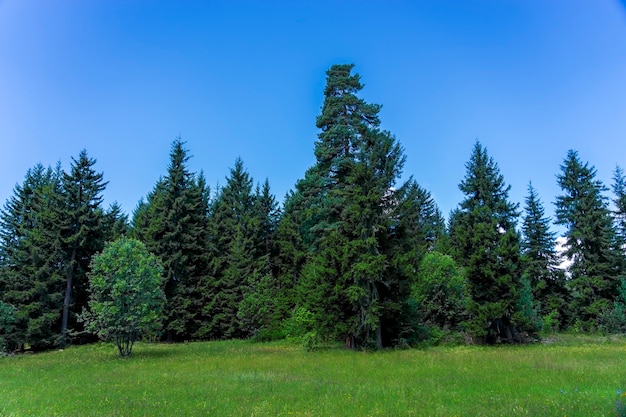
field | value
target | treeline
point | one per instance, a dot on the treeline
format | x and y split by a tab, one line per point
350	255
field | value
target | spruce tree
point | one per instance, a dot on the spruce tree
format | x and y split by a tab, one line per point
115	223
541	261
236	259
172	223
258	310
347	195
82	234
289	257
583	210
32	261
416	228
484	241
619	213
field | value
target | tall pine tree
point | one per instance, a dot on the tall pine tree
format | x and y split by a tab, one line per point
348	199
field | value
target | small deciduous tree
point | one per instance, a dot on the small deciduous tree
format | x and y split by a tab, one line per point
126	294
441	292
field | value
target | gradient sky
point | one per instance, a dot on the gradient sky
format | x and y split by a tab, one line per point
121	78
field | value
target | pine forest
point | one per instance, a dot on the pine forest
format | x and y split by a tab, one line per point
352	255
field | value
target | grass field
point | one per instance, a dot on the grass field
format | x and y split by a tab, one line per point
570	377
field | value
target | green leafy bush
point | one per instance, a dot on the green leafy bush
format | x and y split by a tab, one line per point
126	295
300	328
441	292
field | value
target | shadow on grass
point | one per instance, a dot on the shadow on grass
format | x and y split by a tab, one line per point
153	351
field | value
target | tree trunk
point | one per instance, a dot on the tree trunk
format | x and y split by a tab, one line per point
66	300
379	335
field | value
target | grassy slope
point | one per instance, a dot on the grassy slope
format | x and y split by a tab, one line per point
244	379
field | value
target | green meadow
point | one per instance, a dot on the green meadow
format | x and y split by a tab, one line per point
570	376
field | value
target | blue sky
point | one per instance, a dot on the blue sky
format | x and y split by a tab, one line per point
122	78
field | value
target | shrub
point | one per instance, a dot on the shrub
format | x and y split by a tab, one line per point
613	319
126	294
300	328
441	292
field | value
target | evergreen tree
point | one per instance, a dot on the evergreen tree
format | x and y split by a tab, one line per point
115	223
237	256
583	210
484	241
172	223
83	235
541	261
416	228
289	257
32	261
619	213
348	199
257	311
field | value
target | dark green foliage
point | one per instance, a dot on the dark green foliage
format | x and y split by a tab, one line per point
484	241
82	234
613	319
583	210
173	225
241	230
7	319
115	223
619	201
261	304
540	261
348	201
527	315
32	260
441	292
619	219
126	294
416	227
288	257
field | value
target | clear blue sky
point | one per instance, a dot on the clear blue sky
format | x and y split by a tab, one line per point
121	78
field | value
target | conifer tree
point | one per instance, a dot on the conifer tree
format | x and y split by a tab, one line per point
115	223
257	311
32	261
619	213
416	229
237	256
82	234
347	195
289	257
584	212
541	261
485	242
172	223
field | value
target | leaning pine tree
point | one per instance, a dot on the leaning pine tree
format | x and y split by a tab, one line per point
484	241
348	198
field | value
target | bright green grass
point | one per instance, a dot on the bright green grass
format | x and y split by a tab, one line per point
570	377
